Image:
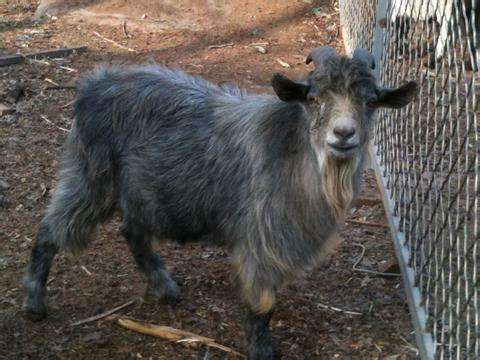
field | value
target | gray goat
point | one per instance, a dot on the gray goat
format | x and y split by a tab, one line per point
269	176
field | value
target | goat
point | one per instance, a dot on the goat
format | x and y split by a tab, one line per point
458	18
268	176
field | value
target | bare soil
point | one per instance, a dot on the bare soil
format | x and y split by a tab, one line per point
105	276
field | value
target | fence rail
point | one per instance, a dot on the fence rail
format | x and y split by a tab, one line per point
427	159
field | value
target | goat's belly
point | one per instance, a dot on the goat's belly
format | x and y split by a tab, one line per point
204	235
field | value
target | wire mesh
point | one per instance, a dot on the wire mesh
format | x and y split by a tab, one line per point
429	153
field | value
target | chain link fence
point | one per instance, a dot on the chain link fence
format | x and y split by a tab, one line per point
427	159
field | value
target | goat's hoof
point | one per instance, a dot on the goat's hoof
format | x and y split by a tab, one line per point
168	293
264	351
34	312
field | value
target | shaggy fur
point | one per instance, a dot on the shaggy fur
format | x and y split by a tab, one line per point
186	160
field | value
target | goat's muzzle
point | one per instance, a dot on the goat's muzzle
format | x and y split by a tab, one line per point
343	139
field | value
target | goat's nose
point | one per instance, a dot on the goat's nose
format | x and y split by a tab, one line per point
343	132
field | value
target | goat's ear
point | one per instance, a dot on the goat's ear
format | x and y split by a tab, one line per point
288	90
395	98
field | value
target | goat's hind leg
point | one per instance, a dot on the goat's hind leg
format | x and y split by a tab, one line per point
35	280
160	284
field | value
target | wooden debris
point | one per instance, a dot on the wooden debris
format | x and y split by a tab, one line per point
71	84
104	314
84	268
367	271
52	82
69	69
168	333
283	63
20	58
367	223
333	308
4	110
114	42
69	103
47	120
220	46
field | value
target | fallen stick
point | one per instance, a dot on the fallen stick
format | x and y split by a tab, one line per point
86	270
104	314
220	46
57	86
19	58
52	82
333	308
47	120
68	68
114	43
32	60
367	271
168	333
69	103
367	223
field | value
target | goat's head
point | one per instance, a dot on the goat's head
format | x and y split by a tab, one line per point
340	96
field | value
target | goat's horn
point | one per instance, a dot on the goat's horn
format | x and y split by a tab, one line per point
320	54
365	56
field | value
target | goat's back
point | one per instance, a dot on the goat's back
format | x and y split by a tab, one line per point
175	162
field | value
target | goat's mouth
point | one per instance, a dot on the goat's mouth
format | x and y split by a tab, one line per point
342	151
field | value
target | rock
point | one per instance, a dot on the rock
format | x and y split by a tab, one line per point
5	262
4	185
92	337
260	49
5	110
256	32
3	201
8	119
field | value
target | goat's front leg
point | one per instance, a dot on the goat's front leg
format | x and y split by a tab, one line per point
260	299
258	337
258	284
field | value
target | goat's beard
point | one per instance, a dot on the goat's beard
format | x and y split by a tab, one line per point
337	183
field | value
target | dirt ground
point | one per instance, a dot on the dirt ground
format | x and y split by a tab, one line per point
105	276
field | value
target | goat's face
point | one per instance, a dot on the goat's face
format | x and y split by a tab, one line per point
339	97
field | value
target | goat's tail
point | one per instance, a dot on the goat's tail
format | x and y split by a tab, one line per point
84	196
